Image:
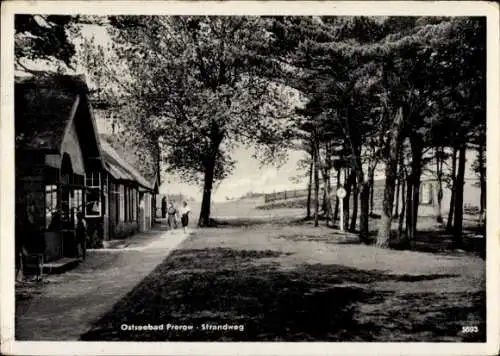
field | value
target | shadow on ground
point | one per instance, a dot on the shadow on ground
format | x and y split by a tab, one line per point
435	240
251	222
308	303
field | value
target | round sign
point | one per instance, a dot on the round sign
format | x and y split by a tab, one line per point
341	193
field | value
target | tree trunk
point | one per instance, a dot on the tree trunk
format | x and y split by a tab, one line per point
365	212
337	199
204	219
316	184
328	190
209	164
324	177
459	198
409	206
363	187
351	180
449	222
323	201
400	195
354	215
482	176
391	163
439	174
158	171
396	197
403	205
417	150
371	183
309	188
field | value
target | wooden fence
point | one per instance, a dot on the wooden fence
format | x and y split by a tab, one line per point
284	195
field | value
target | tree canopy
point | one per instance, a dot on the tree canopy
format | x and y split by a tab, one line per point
378	90
43	37
195	87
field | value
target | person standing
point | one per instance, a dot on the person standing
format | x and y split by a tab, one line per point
81	236
164	207
33	244
185	215
172	212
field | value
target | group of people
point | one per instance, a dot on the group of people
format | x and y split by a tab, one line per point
173	214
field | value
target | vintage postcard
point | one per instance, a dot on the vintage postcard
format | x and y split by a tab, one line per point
252	178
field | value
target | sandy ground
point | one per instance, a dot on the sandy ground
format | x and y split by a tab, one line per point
272	275
288	282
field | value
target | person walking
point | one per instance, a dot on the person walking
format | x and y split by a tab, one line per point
81	236
172	212
184	211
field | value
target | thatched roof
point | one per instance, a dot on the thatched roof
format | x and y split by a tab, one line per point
144	164
119	168
43	106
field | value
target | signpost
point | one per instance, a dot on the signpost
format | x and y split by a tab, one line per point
341	193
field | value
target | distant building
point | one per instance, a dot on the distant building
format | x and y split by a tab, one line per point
429	187
129	196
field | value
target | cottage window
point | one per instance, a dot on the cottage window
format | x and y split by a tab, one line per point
51	213
77	202
67	212
105	194
93	194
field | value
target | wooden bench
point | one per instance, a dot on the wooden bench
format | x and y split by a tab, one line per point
31	260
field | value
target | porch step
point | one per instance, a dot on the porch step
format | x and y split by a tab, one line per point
60	266
116	244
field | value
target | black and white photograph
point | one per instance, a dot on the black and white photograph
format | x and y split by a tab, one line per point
269	177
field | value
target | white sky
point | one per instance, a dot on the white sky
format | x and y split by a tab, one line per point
247	176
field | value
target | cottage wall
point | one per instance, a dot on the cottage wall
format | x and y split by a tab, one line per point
31	181
118	225
147	209
121	210
31	188
145	212
112	209
30	191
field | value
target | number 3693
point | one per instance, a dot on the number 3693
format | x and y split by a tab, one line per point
470	329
